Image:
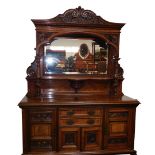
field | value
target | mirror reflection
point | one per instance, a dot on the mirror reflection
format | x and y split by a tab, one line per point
76	56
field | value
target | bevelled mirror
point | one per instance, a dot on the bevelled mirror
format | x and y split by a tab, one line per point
68	55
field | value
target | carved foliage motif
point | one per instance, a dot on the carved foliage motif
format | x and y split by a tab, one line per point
41	116
118	73
118	114
43	36
114	38
117	140
31	70
118	69
79	16
41	144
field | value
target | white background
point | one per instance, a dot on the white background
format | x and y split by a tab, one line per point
17	41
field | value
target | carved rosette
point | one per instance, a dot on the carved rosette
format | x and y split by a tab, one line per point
79	16
113	38
43	36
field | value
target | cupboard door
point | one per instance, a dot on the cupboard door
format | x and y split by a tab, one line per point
42	129
119	127
91	138
69	138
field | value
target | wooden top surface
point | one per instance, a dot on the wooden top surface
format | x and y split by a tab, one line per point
78	100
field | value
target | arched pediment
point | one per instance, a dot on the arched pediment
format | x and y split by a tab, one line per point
78	16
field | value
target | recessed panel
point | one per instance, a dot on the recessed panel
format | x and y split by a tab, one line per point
69	139
41	130
118	128
91	138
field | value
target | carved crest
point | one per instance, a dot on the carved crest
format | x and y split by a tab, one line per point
79	16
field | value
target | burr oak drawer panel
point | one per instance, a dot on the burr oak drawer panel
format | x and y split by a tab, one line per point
67	112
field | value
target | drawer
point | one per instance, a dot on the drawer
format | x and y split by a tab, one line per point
80	112
41	116
80	122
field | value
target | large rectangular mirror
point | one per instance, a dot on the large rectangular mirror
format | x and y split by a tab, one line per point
75	56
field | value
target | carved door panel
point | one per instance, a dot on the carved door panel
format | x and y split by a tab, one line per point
69	138
91	138
118	128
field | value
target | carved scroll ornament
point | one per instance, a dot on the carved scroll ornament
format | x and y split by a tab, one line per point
79	16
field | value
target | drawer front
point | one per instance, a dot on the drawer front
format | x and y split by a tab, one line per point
67	112
80	122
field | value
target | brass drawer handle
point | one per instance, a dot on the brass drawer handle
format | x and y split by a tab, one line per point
69	122
90	121
91	112
71	112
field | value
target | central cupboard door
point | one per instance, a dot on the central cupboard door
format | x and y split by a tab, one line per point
91	138
83	139
69	139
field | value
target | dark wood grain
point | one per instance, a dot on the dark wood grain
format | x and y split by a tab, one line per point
78	114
